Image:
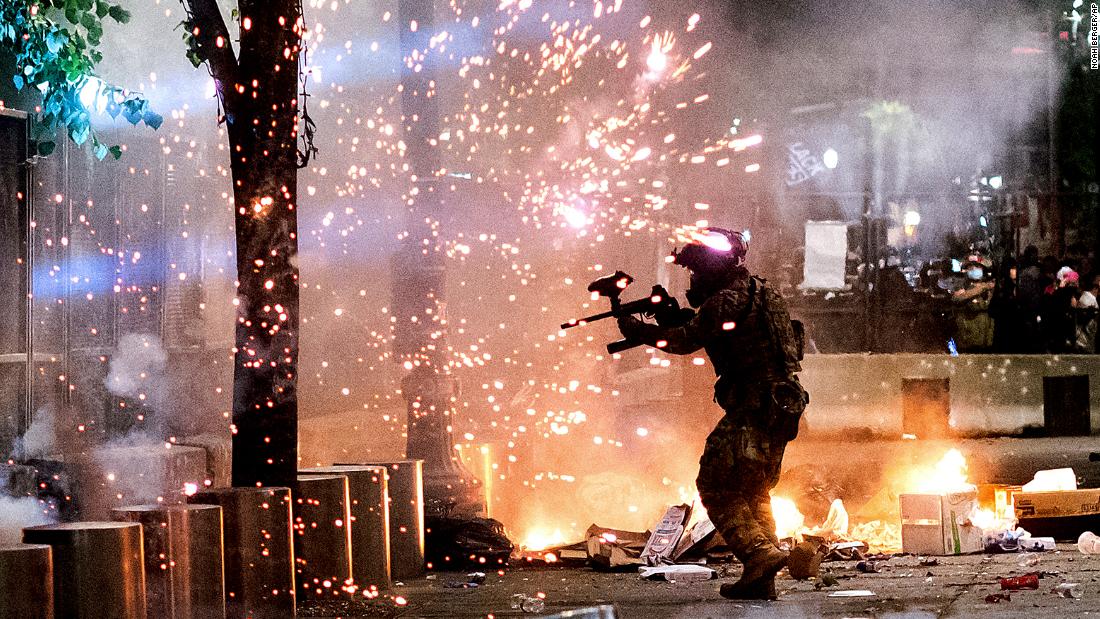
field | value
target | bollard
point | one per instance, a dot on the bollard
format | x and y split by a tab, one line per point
1066	409
259	554
370	521
406	490
98	569
26	582
183	559
322	536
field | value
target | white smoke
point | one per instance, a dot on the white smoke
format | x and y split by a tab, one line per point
19	512
137	369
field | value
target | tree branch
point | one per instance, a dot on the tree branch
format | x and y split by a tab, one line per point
214	46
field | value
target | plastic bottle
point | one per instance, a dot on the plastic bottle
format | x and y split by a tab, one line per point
1028	559
1088	543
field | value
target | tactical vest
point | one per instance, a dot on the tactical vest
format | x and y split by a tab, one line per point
762	343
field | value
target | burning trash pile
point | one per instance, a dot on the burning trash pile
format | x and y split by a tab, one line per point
927	511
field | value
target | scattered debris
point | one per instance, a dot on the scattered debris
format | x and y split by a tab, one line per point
472	581
1016	583
453	542
666	535
854	593
1070	590
868	567
805	560
826	580
1088	543
1028	559
929	562
528	604
612	549
695	541
996	598
678	573
938	524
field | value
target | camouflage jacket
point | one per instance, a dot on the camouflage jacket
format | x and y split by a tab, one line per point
744	343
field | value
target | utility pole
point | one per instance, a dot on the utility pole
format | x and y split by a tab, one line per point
419	282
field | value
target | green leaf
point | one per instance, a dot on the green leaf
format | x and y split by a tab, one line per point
100	150
116	151
46	148
152	119
119	14
101	9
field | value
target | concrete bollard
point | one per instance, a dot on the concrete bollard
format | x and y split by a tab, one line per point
98	570
322	536
406	490
370	522
26	582
259	553
183	559
1066	405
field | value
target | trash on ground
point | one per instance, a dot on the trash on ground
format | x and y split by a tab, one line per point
868	567
666	535
527	603
996	598
678	573
1070	590
1028	559
1052	480
1016	583
854	593
1088	543
805	560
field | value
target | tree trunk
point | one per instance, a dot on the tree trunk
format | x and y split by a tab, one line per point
259	93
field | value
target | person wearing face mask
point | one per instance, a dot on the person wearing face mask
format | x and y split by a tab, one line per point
755	348
973	324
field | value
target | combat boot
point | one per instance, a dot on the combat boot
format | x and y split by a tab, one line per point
760	567
765	590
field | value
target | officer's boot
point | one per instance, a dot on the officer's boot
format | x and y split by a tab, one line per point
758	578
765	590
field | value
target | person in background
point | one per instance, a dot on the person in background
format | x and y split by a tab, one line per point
1029	294
973	324
1004	309
1059	317
1087	320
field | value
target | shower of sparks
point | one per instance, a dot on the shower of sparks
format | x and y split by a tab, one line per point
563	131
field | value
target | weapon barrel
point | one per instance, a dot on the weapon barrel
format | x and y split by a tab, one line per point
576	322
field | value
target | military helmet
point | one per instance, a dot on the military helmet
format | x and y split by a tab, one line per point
712	249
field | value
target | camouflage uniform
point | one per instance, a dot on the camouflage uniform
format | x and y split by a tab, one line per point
754	349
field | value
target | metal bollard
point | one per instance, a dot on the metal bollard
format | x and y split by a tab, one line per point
259	554
26	582
183	559
322	535
406	490
98	569
370	521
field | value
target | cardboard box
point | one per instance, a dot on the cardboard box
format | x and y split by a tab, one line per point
1061	514
939	524
666	535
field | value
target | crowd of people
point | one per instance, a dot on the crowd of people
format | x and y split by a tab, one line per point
1030	305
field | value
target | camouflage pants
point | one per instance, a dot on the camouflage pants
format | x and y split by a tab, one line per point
740	465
